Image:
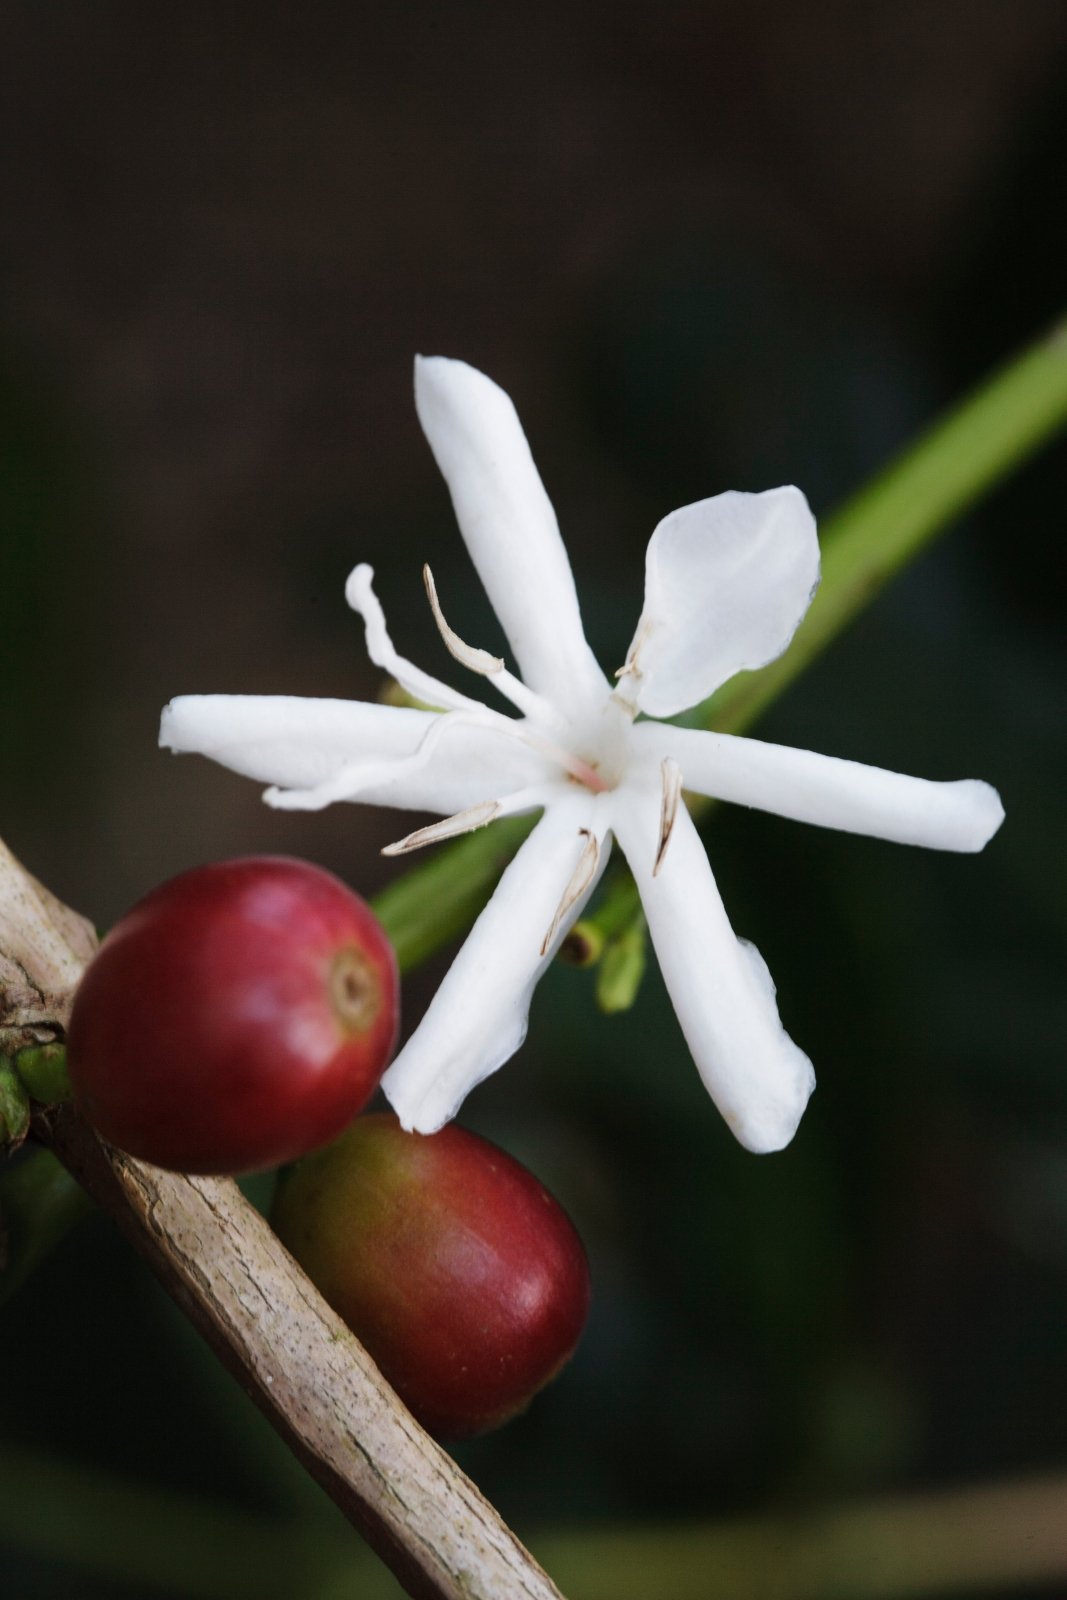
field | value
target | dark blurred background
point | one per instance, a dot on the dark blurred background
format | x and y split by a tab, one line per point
716	245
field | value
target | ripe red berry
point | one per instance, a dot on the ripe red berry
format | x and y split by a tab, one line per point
455	1267
239	1016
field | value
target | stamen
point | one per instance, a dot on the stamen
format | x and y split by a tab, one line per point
531	704
449	828
353	777
580	880
630	707
474	660
671	774
630	668
531	798
359	592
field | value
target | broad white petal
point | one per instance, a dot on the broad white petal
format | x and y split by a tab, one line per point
963	815
727	580
302	744
509	526
719	984
477	1018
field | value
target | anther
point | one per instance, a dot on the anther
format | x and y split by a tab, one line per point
480	661
581	878
630	667
449	828
671	774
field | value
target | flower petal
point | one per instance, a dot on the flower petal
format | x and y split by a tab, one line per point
303	744
359	592
477	1018
508	524
727	580
832	793
719	984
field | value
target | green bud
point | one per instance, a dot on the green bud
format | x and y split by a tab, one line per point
39	1204
584	945
43	1070
622	966
14	1105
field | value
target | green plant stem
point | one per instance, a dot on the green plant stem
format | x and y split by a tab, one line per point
879	531
918	496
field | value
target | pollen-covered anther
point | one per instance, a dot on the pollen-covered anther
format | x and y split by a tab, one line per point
448	828
475	660
671	774
580	879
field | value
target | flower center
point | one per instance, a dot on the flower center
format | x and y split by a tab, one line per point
597	749
592	752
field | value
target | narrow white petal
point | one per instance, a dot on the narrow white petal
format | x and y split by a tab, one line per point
509	526
719	984
359	592
963	815
303	744
727	580
477	1018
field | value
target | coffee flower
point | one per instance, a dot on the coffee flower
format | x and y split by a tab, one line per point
727	580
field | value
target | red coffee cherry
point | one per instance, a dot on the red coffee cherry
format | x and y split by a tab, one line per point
455	1267
239	1016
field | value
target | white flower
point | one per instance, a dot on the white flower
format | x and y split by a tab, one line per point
726	583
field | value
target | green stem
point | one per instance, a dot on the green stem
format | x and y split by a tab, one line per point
881	529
